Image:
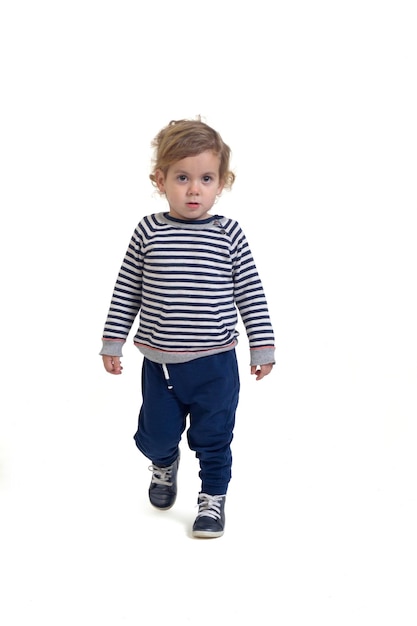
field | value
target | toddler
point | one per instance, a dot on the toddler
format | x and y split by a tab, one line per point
188	273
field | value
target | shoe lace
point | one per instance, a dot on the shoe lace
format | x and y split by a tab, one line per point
209	506
161	475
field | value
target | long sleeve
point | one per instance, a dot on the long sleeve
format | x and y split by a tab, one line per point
126	299
251	302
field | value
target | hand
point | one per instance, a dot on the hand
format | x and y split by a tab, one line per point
112	364
261	370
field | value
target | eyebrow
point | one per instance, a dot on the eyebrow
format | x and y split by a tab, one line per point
181	171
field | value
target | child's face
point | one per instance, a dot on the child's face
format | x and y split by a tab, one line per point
191	185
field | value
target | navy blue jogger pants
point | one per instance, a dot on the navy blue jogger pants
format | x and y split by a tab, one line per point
206	390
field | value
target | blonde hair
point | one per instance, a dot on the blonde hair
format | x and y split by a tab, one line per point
183	138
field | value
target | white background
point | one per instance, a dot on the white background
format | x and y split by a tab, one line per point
318	102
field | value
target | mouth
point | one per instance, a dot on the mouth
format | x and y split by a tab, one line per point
193	205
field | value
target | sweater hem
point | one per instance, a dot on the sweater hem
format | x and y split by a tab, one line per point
180	356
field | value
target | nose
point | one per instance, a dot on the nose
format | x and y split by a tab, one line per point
194	188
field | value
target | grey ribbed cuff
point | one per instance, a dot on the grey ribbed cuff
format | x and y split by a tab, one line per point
262	356
112	348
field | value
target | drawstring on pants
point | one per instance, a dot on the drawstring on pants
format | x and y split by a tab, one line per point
166	375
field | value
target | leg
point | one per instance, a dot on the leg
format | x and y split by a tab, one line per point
209	387
212	420
161	424
162	417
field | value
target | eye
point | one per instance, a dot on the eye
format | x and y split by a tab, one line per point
181	178
207	179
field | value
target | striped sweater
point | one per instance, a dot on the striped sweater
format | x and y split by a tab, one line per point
188	280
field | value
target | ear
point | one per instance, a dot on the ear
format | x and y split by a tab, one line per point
220	188
160	180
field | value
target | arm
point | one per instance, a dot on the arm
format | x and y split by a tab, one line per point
124	306
251	302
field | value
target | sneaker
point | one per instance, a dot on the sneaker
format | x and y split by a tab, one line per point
163	487
210	520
